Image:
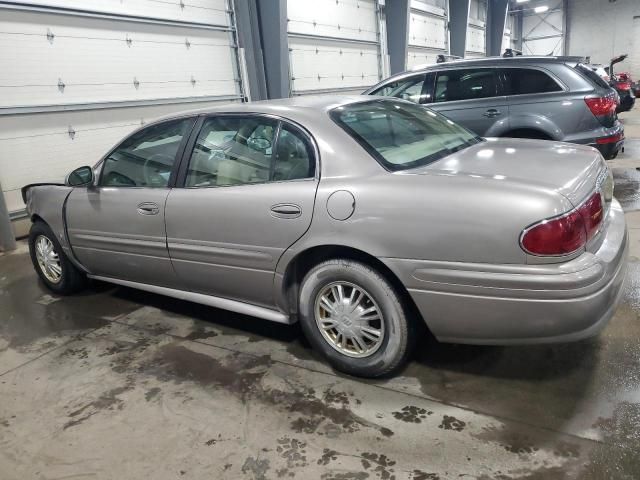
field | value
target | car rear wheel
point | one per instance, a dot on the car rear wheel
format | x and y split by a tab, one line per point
50	262
354	317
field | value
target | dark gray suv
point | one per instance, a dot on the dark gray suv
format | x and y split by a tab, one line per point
553	98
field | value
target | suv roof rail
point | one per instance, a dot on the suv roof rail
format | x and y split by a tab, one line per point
511	52
443	57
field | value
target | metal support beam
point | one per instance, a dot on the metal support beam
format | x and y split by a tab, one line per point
496	23
248	33
272	19
7	236
397	16
458	23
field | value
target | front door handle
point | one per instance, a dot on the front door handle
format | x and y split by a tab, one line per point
148	208
492	112
286	210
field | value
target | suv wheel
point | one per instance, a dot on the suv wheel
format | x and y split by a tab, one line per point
354	317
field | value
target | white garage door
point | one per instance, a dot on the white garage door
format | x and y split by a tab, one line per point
476	44
427	34
334	45
543	33
81	80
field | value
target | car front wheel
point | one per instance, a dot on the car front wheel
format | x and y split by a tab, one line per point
355	318
50	262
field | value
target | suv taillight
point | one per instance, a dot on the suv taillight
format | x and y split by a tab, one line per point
565	234
623	85
601	105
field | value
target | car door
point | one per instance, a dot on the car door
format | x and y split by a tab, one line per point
470	97
117	227
249	189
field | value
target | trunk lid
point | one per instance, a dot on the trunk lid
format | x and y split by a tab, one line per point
574	171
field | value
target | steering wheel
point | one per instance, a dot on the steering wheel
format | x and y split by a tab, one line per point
154	174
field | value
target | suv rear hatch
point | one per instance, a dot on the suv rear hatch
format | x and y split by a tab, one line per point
602	102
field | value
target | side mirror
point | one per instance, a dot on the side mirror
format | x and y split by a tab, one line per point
80	177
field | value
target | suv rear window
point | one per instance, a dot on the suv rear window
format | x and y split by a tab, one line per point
591	75
401	135
523	81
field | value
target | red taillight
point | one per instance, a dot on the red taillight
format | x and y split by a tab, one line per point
612	139
592	213
566	234
601	105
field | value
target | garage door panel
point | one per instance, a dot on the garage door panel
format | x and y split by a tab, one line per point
112	66
476	39
333	45
427	30
354	19
211	12
420	56
39	148
321	64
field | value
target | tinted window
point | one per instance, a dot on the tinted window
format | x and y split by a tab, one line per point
521	81
147	157
465	85
408	89
401	135
591	75
241	150
294	157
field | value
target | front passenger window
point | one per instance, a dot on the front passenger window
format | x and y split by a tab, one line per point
146	158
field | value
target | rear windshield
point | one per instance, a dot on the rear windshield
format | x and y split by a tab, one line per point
591	75
401	135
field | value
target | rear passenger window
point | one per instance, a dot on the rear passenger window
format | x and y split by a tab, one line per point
465	85
522	81
294	157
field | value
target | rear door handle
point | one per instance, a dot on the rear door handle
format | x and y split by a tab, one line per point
492	112
148	208
286	210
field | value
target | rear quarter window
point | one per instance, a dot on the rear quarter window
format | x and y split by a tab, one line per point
524	81
592	76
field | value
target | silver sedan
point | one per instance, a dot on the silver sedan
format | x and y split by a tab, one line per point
363	218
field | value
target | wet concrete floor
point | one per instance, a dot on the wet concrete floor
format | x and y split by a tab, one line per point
118	383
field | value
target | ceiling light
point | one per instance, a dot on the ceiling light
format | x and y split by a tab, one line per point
521	1
541	9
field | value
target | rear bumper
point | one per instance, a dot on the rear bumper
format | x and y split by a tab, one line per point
609	141
520	304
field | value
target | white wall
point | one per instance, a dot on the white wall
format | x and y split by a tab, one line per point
602	30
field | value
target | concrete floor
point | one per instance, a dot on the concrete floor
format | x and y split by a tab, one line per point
117	383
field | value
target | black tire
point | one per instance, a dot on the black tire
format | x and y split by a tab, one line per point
71	279
398	336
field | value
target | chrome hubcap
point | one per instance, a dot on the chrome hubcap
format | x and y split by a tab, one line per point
48	259
349	319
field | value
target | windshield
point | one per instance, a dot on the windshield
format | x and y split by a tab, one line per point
402	135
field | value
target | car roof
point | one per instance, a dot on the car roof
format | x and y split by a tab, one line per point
499	61
285	107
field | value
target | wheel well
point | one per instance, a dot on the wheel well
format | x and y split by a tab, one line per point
306	260
527	133
35	218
